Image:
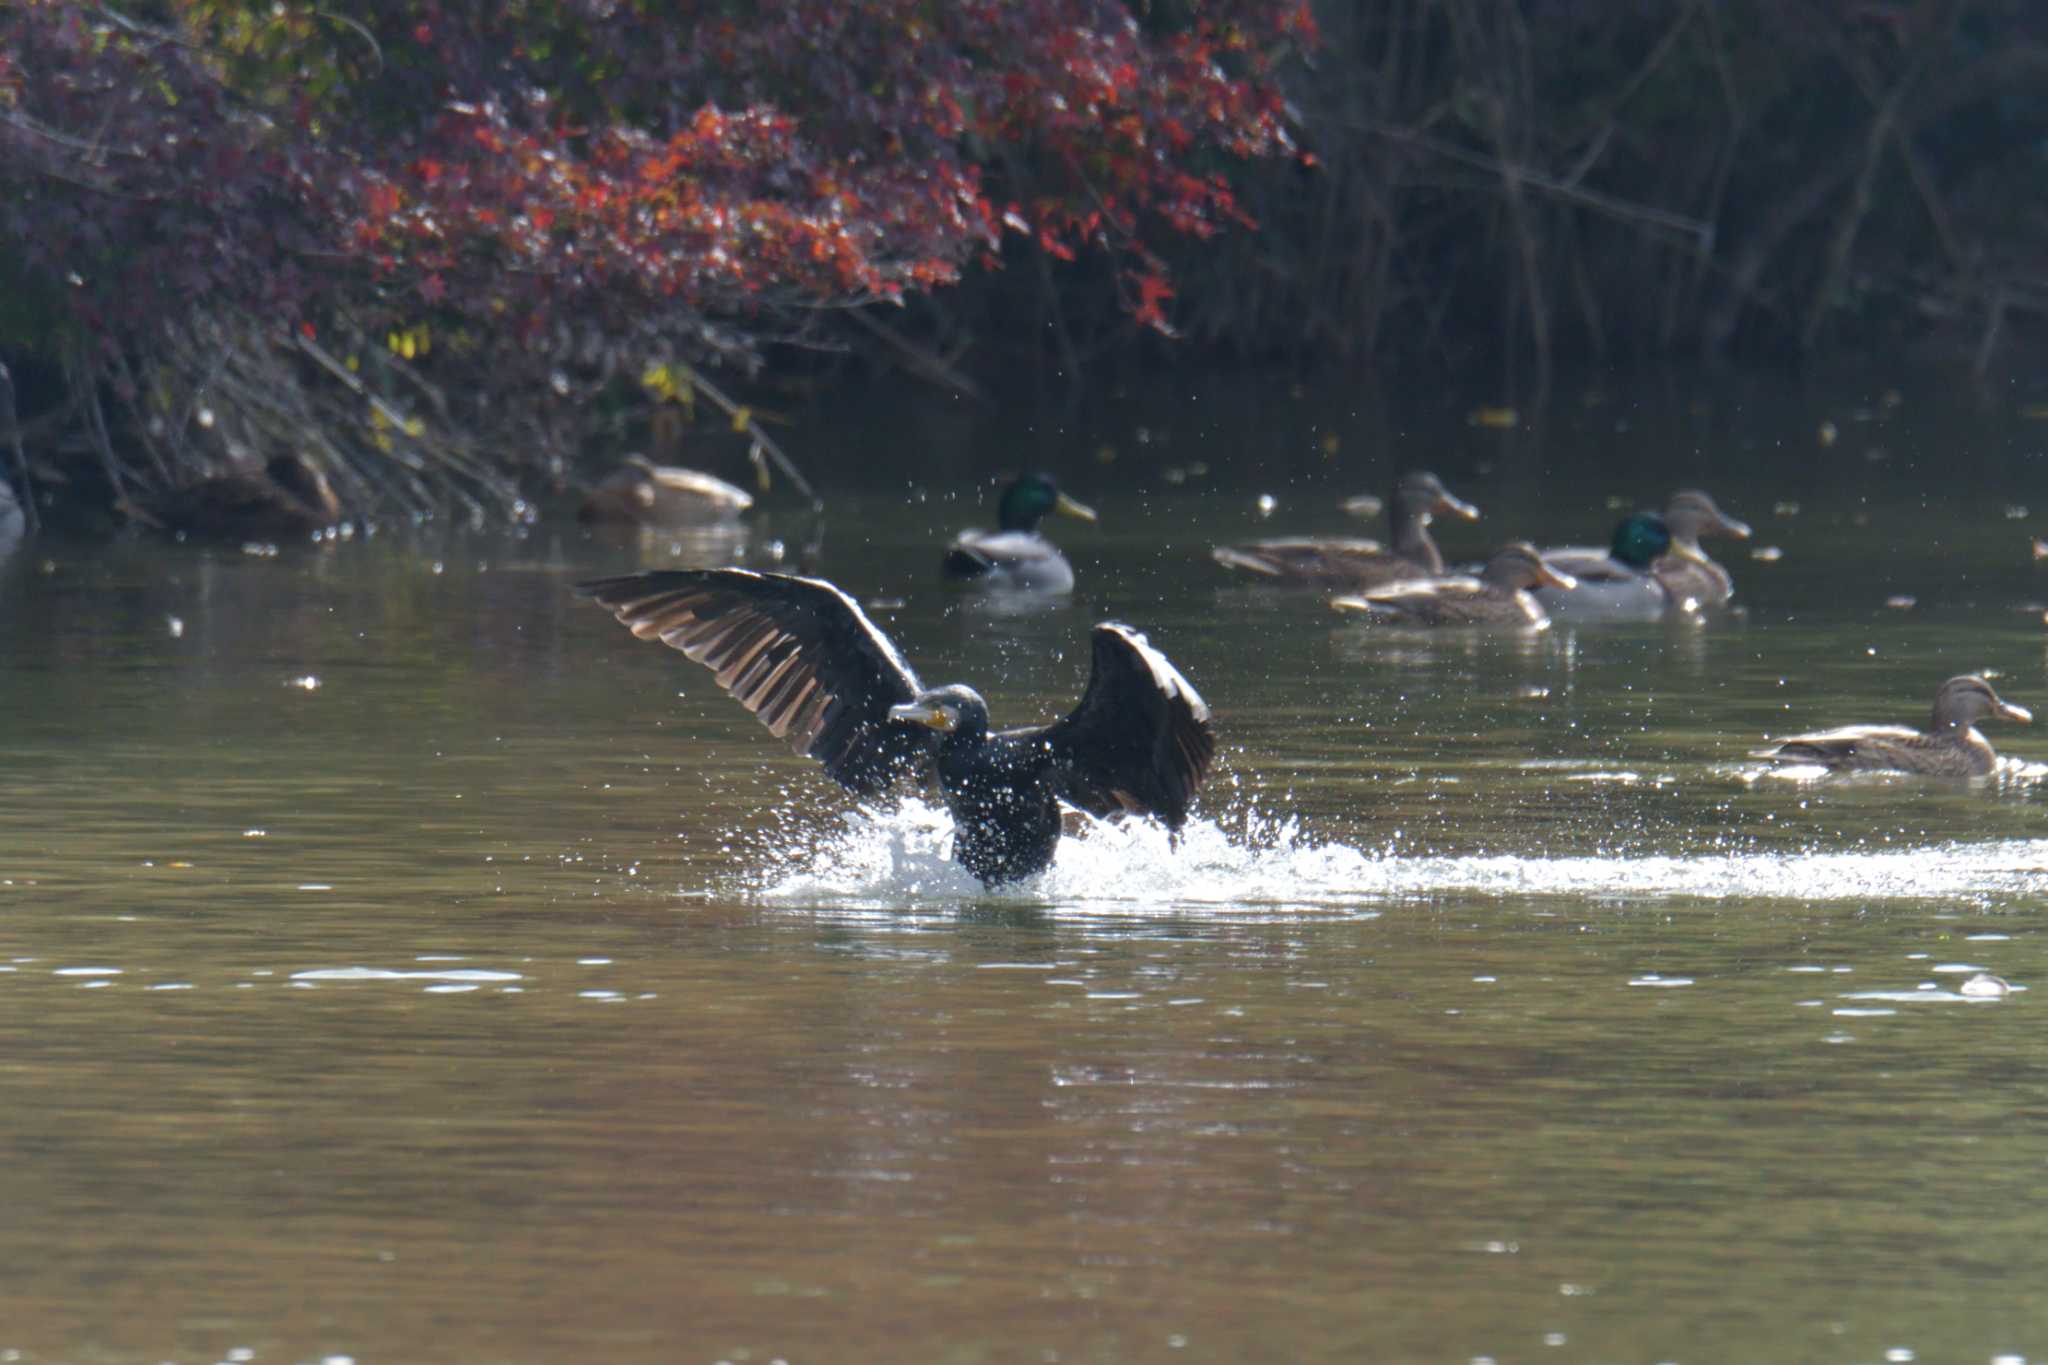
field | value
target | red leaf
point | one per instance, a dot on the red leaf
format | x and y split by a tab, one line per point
1152	291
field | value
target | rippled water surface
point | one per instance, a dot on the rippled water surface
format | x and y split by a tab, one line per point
400	962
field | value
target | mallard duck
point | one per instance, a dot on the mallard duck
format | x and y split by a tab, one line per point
1685	570
1355	564
1949	747
807	662
1498	596
642	493
1617	585
289	500
1015	557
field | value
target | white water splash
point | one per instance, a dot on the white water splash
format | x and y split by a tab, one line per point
902	858
905	857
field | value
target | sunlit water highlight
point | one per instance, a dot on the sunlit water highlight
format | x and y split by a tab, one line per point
903	857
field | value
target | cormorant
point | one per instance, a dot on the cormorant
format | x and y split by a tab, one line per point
808	663
1949	747
1357	564
1015	557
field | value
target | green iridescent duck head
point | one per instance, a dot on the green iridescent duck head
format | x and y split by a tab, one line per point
1029	499
1639	539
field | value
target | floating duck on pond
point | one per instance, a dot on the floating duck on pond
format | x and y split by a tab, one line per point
1354	564
289	499
642	493
1949	747
1685	571
807	662
1618	585
1015	557
1498	596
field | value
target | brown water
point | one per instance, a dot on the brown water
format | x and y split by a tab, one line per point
399	962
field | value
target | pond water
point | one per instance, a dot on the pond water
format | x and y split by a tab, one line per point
398	961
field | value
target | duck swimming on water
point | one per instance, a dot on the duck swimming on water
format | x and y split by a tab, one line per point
642	493
1619	585
289	498
1016	557
1354	564
1498	596
1949	747
808	663
1686	571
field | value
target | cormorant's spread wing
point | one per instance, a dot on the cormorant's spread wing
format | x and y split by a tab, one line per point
1140	738
797	652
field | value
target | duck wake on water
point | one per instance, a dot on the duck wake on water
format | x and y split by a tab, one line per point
1254	865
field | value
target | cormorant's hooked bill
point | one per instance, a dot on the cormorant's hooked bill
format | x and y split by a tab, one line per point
808	663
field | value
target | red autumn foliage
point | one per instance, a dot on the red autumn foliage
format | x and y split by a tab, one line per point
698	172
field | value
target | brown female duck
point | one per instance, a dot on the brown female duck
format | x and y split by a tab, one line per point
642	493
1358	564
288	499
1949	747
1499	596
1685	570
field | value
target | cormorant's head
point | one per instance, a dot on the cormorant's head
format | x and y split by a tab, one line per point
1027	501
1517	565
1968	699
1639	539
1421	495
1691	514
950	710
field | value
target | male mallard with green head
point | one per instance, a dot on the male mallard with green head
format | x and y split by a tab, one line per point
1356	564
1015	557
1618	585
1949	747
1498	596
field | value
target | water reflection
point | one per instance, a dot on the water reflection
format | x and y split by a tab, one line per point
784	540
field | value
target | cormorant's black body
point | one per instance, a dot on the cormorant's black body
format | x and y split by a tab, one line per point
1000	789
800	655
